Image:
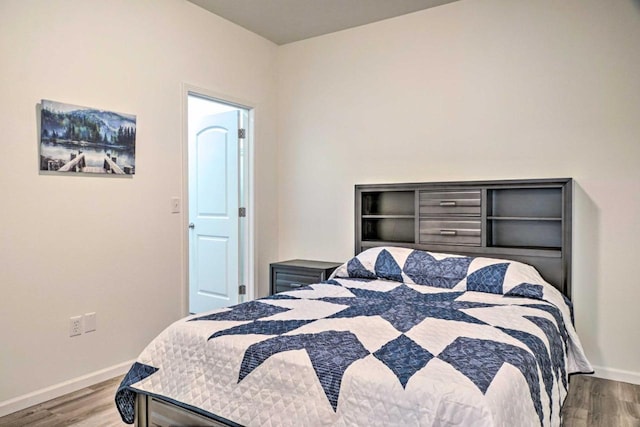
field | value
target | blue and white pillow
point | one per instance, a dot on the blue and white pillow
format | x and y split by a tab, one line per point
449	271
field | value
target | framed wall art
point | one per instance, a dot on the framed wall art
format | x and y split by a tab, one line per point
84	140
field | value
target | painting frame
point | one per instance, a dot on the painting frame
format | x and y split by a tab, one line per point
78	140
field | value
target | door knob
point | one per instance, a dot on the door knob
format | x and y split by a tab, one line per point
192	225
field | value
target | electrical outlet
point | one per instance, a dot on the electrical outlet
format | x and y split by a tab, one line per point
90	322
75	326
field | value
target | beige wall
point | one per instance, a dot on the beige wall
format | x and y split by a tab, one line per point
490	89
470	90
72	245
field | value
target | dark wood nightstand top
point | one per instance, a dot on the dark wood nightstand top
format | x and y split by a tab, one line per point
306	263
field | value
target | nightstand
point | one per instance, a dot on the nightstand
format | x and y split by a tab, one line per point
295	273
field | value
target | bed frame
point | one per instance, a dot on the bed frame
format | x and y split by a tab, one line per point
522	220
154	411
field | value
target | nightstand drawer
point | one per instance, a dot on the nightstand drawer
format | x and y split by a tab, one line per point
450	203
450	231
289	287
289	275
289	280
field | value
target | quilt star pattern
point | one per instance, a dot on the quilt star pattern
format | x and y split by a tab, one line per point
395	337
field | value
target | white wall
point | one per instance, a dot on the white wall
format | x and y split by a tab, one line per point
72	245
491	89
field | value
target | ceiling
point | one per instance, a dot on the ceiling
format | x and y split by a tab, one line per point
286	21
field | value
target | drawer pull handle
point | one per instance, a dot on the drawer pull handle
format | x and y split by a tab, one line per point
447	203
296	285
448	232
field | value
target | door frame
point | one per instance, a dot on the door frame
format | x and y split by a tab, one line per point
247	227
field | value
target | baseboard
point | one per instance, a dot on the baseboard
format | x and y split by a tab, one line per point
617	375
39	396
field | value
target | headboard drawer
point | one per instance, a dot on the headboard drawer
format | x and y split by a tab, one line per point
451	231
463	202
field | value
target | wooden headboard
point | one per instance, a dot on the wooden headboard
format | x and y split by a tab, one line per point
523	220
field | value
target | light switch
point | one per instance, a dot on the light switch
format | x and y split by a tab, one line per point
175	205
90	324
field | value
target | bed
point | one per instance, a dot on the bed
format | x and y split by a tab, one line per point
397	336
400	334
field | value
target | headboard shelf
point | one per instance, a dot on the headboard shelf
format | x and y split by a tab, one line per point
524	220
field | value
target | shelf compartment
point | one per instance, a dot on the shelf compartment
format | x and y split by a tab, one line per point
525	202
384	203
521	218
524	233
391	229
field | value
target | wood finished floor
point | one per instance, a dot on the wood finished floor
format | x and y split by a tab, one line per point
90	407
592	402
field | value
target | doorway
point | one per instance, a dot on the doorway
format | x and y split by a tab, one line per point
217	189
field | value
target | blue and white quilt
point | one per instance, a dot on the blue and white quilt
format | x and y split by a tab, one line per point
396	337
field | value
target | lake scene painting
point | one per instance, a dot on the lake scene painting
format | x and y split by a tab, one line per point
78	139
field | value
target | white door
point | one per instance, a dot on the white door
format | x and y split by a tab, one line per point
213	212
